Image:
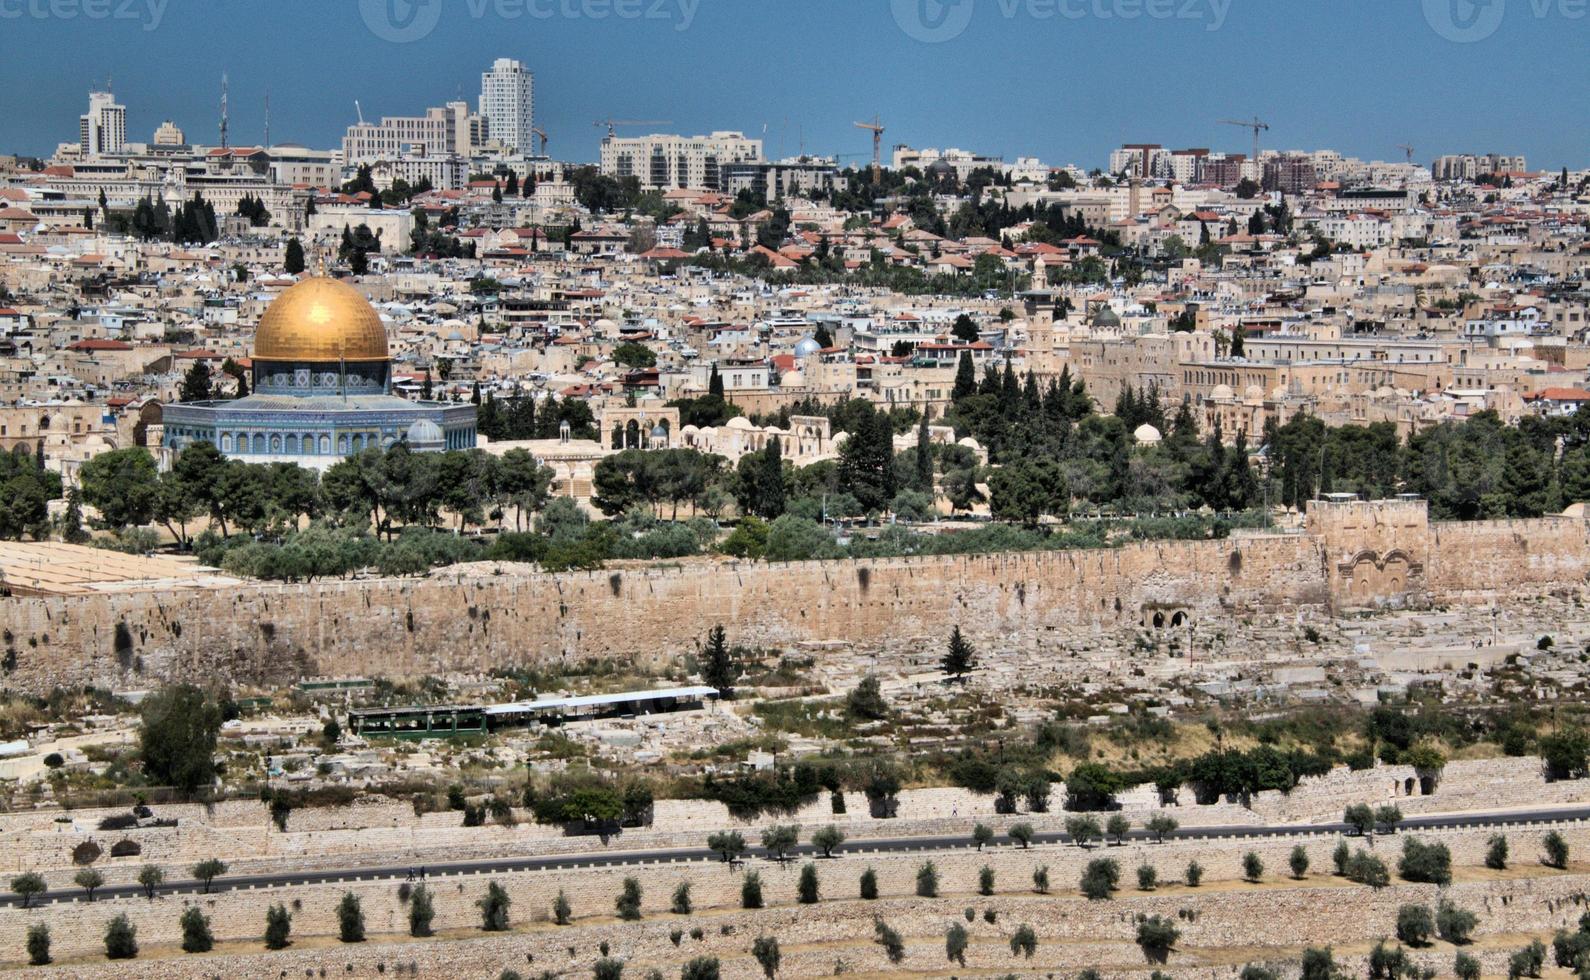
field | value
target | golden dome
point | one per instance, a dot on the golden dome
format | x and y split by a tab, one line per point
320	320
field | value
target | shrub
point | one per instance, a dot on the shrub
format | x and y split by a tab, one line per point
807	889
561	913
628	901
1556	848
1453	924
118	821
1254	972
350	919
1040	879
1252	867
1318	964
196	937
955	943
1157	936
985	881
607	968
751	891
279	926
1429	863
1496	853
681	904
1101	878
126	848
1466	967
1367	869
1195	874
1568	947
869	884
1299	862
927	880
494	908
121	939
1389	963
38	944
1022	834
86	853
1528	961
893	945
1341	857
1024	942
1415	924
1147	877
767	954
700	968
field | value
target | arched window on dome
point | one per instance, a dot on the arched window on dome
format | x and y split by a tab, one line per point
226	443
325	445
342	445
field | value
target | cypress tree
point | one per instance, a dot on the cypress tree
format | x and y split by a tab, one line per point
965	378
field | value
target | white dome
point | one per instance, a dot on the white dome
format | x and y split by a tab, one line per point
1222	393
426	434
1253	394
1147	435
741	422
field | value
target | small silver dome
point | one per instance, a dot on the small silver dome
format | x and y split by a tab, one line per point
807	347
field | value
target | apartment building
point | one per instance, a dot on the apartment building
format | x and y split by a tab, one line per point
661	162
783	179
102	130
449	129
507	104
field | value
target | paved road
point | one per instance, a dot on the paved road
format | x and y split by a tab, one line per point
60	891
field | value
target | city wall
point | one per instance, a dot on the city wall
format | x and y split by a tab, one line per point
481	618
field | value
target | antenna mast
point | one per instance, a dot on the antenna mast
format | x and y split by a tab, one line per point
224	143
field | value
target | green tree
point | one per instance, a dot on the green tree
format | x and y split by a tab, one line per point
1118	827
1431	863
700	968
279	926
956	941
121	939
27	886
1024	942
629	900
1556	848
807	888
982	834
827	839
90	880
494	909
1299	862
1360	819
208	870
889	939
869	884
681	900
177	737
38	944
719	667
1040	879
1157	936
293	260
1496	852
730	844
122	485
767	954
1466	967
866	460
350	919
1022	834
927	880
751	891
150	877
780	839
1101	878
1194	874
985	881
1415	925
196	937
1453	924
561	913
1161	824
960	657
197	383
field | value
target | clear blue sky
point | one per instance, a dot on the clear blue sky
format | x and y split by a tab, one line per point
1051	78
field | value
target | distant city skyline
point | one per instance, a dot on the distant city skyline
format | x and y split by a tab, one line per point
1064	80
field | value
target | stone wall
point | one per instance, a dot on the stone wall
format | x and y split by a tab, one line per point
477	618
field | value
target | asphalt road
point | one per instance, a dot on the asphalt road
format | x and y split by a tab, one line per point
62	891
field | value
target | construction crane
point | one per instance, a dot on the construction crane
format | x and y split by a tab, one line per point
1406	149
541	135
613	124
1256	124
876	128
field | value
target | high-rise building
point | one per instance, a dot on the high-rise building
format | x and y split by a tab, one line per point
102	129
507	102
442	131
170	134
662	162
